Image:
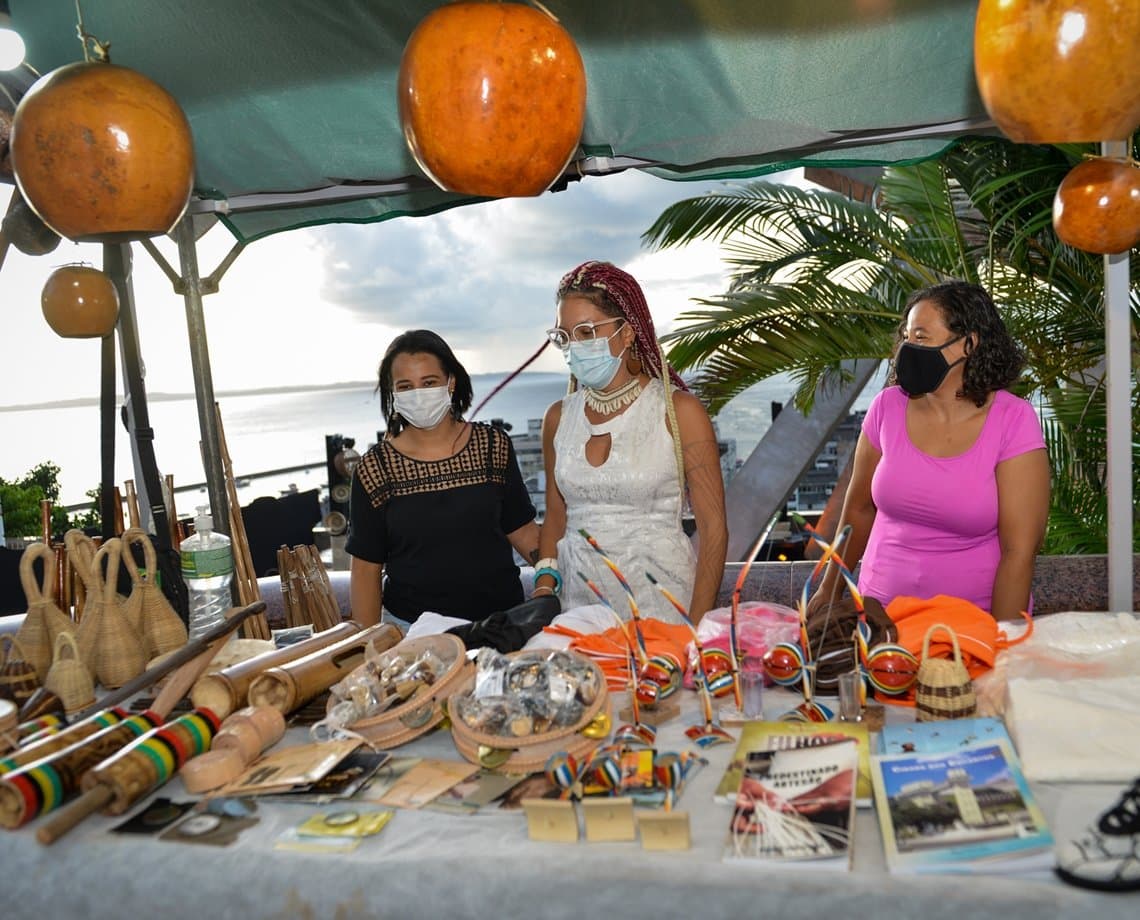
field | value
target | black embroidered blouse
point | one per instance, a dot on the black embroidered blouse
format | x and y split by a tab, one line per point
440	527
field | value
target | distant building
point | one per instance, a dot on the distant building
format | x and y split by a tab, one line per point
819	482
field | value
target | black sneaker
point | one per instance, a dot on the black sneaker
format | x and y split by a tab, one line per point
1107	857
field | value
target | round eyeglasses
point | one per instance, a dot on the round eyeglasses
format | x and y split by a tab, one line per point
583	332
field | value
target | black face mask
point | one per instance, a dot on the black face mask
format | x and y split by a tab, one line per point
922	368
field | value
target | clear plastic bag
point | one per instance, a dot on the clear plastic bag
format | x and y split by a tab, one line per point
1064	646
527	694
760	625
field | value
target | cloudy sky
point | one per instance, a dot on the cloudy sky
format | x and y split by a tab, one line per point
319	305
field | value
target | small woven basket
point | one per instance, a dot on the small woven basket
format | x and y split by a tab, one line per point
530	753
68	678
943	689
419	715
44	620
18	679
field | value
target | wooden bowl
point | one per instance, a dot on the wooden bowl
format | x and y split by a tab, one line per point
422	713
530	752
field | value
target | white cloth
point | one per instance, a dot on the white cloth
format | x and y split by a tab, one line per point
593	618
631	505
432	624
1081	730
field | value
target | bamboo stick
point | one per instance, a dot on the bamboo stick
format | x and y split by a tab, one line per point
289	585
132	504
334	606
61	579
329	611
314	603
248	591
176	534
299	576
118	524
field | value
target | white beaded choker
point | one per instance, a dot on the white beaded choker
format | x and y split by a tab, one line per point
607	403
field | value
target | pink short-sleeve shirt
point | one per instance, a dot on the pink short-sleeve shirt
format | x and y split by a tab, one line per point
935	529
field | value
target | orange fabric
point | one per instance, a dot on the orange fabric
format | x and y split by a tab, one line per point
979	636
610	650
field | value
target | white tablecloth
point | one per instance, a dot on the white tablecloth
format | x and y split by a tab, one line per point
427	864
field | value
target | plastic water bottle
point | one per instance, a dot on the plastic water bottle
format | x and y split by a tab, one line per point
207	569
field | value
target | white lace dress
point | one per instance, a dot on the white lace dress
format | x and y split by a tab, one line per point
631	505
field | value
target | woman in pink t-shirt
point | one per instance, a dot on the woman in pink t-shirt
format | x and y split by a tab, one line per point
949	491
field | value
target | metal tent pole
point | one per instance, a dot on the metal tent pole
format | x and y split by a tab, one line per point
1118	338
107	413
203	378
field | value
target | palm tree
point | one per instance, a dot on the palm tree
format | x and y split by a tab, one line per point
817	278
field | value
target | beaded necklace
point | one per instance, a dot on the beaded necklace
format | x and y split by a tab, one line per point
608	403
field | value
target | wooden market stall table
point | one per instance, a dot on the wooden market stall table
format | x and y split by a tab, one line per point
430	864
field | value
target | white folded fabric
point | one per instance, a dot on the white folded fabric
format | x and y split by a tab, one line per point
1076	730
432	624
590	618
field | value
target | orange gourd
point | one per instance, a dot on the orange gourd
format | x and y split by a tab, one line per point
1059	71
1097	206
80	302
102	153
492	98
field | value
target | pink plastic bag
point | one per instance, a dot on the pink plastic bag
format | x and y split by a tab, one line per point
760	625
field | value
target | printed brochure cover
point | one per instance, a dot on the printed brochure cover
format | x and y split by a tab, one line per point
796	804
967	810
773	736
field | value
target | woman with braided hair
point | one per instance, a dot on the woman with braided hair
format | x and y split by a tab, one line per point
621	451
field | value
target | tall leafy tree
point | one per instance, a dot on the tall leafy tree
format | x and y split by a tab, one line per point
817	278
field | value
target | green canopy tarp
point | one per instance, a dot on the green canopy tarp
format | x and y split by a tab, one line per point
293	102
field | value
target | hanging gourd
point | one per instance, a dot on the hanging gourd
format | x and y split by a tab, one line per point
1059	71
492	98
102	153
1097	206
80	302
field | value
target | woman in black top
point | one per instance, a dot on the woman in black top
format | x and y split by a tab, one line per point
438	504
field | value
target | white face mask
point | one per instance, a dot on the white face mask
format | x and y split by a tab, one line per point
422	408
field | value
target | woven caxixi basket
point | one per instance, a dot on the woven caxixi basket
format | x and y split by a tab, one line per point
943	689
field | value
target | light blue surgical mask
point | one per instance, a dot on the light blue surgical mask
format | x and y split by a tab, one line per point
591	362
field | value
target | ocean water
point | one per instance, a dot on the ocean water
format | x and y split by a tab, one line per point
271	431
